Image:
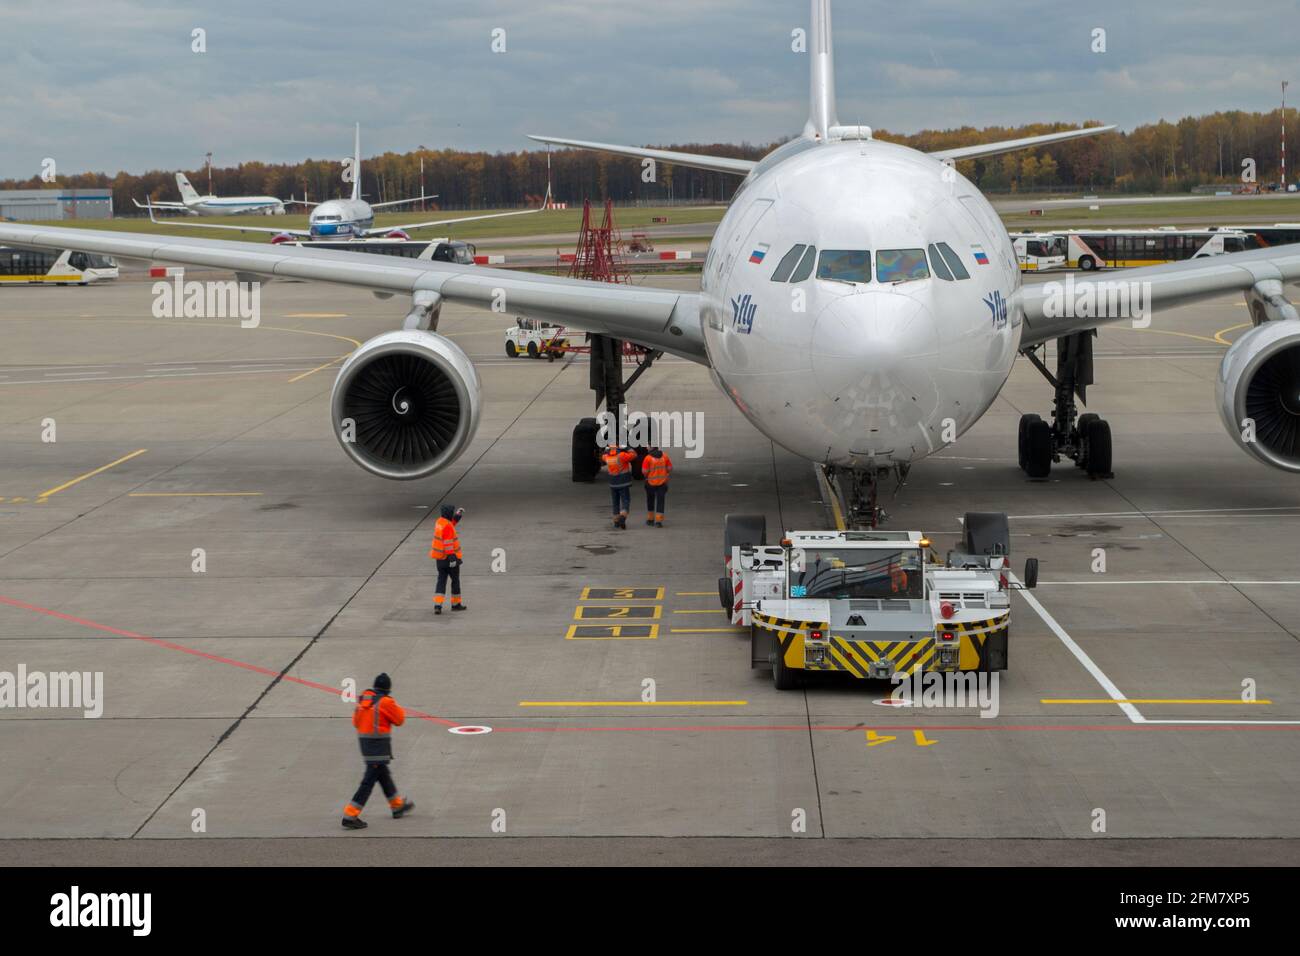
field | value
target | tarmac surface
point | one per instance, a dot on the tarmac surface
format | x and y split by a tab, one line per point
222	721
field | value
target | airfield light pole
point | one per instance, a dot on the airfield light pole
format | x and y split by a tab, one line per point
1285	84
209	159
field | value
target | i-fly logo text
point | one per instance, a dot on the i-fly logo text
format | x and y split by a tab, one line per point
742	313
998	308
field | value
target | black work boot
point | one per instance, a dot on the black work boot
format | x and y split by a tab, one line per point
406	807
354	823
459	607
437	609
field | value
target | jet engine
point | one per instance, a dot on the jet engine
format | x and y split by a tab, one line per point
406	404
1259	393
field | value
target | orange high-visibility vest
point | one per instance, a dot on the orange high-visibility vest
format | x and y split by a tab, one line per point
446	543
656	470
897	579
618	461
374	718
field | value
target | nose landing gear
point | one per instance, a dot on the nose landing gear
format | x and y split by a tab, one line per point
1083	438
857	491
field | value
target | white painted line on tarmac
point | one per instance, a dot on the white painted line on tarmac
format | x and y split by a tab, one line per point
1081	655
1146	514
1234	723
1172	581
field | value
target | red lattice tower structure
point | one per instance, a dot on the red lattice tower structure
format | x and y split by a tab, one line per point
600	248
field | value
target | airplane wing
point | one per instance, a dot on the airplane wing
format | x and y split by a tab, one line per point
657	318
717	164
401	202
1011	145
1052	308
159	205
303	233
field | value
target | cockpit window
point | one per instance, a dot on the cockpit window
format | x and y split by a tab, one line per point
329	218
845	265
901	265
937	264
805	265
787	263
954	261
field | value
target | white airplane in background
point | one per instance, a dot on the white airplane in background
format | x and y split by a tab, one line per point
210	205
861	304
351	218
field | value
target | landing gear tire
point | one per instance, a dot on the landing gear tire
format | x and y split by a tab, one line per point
783	678
1025	421
586	460
742	529
1085	420
1038	450
511	351
533	351
1097	439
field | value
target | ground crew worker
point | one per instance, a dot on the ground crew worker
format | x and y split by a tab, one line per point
445	550
375	717
619	463
656	467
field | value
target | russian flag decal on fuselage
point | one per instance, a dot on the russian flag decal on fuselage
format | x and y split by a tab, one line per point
981	258
760	253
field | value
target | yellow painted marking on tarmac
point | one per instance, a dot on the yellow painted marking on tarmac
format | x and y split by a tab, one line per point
1219	335
194	494
1150	700
634	703
92	474
318	368
706	630
836	514
1185	335
874	739
921	740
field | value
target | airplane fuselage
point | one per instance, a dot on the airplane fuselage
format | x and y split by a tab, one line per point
236	205
865	356
341	219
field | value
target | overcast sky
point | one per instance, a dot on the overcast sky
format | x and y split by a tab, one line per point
104	85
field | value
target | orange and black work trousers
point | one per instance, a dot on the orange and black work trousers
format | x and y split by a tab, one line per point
376	772
447	573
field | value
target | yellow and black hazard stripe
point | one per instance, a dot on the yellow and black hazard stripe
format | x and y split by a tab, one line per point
973	627
982	644
907	657
773	623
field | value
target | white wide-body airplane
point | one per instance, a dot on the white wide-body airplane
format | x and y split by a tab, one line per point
210	205
861	304
351	218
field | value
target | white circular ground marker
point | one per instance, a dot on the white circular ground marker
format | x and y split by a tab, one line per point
891	702
469	729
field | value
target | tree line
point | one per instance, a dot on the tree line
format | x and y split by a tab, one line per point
1155	157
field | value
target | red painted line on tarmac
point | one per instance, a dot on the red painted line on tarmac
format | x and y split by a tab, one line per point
216	658
801	728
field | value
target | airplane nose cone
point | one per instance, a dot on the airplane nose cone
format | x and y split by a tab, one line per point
873	347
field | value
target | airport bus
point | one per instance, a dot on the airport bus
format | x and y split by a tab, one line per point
28	267
1124	248
1265	237
1039	251
430	250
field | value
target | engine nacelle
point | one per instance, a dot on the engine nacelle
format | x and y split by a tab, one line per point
413	401
1259	393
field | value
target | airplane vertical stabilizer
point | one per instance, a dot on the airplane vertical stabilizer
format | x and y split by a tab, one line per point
188	193
821	115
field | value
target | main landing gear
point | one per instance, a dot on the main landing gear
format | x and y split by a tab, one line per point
1083	438
606	380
